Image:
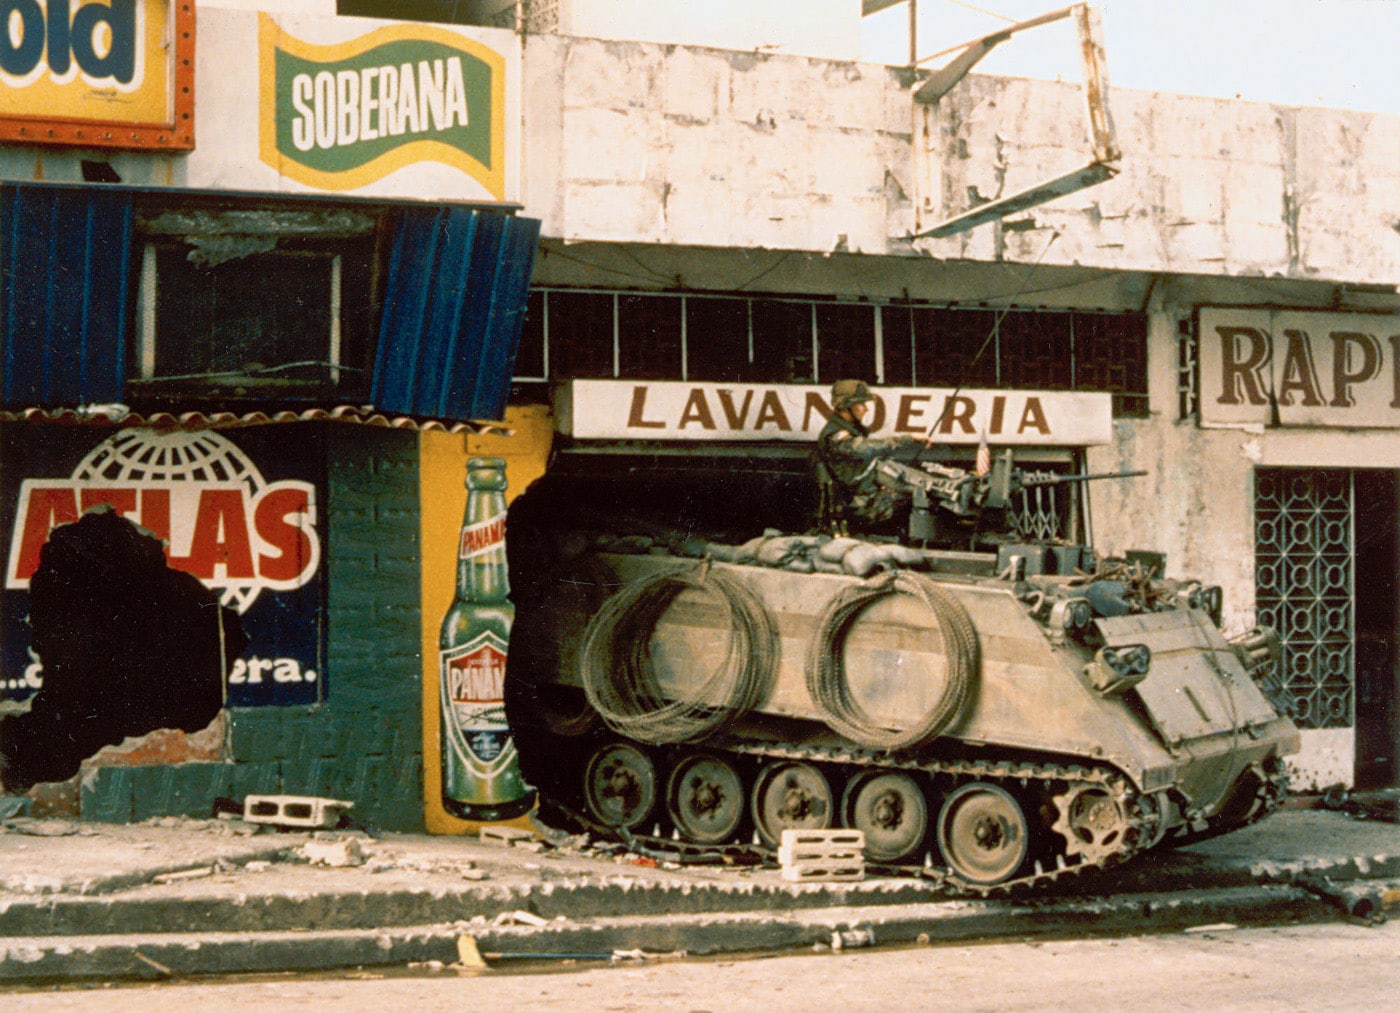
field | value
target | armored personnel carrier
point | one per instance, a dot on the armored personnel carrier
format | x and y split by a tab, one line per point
999	710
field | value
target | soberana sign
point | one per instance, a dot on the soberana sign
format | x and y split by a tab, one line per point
345	115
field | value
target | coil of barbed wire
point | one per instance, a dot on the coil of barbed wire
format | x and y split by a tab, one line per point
830	688
618	676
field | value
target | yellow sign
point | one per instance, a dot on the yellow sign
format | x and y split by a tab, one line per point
342	115
110	73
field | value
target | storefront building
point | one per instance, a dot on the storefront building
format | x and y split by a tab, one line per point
714	218
255	323
722	233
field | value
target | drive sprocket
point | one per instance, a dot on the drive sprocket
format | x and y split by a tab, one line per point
1093	820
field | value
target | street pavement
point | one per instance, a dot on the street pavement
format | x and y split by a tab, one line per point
178	897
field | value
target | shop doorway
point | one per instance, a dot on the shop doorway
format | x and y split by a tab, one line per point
1326	556
1377	615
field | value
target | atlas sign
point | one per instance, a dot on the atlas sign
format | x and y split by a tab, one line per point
219	520
104	73
668	410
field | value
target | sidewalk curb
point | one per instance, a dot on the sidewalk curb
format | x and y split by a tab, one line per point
164	955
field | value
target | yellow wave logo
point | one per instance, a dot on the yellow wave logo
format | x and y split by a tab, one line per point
340	116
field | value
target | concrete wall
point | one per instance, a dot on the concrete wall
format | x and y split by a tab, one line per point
826	28
650	144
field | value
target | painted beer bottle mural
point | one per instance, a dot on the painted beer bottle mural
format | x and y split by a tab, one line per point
481	777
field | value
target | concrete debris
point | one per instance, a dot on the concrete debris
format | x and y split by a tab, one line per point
851	939
337	854
476	875
1217	927
257	866
31	882
618	956
42	828
505	837
519	918
182	875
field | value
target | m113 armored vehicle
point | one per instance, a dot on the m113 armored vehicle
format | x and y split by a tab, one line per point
1000	710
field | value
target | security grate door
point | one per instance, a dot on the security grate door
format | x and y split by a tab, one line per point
1303	531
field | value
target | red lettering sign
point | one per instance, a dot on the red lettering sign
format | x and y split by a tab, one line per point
478	677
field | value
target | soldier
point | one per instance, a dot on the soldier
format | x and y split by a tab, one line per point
844	463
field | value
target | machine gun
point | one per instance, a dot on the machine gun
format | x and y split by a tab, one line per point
967	496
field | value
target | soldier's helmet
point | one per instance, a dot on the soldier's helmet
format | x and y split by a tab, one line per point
845	393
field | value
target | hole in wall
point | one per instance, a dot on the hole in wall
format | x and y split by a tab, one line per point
128	645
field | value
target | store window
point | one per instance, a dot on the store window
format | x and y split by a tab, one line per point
283	323
267	306
578	334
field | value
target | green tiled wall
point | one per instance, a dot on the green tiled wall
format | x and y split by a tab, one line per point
364	741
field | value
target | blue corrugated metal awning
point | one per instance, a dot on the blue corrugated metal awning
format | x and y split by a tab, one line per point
458	279
65	264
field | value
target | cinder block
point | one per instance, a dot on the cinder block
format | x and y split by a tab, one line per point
819	853
823	872
295	810
852	840
822	855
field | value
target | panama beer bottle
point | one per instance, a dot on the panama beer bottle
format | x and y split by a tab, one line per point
481	777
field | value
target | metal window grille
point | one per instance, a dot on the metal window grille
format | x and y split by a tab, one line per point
1025	349
1037	513
1304	536
1188	372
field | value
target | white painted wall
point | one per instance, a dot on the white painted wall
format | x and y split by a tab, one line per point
826	28
649	144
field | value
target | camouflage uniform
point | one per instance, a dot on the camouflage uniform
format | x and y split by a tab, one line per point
845	452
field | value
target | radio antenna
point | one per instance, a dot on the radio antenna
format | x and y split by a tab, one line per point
996	325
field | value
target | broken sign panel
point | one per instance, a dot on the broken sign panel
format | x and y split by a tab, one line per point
240	511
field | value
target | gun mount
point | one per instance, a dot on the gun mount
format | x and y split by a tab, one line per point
976	501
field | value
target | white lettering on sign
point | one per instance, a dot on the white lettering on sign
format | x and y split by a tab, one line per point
343	107
252	671
1288	368
669	410
217	516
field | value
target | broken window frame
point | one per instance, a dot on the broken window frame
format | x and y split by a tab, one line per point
341	371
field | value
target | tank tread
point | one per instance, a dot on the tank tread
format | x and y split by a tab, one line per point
1272	777
1141	821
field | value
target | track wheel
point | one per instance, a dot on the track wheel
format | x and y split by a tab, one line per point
619	785
890	809
983	834
790	796
705	799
